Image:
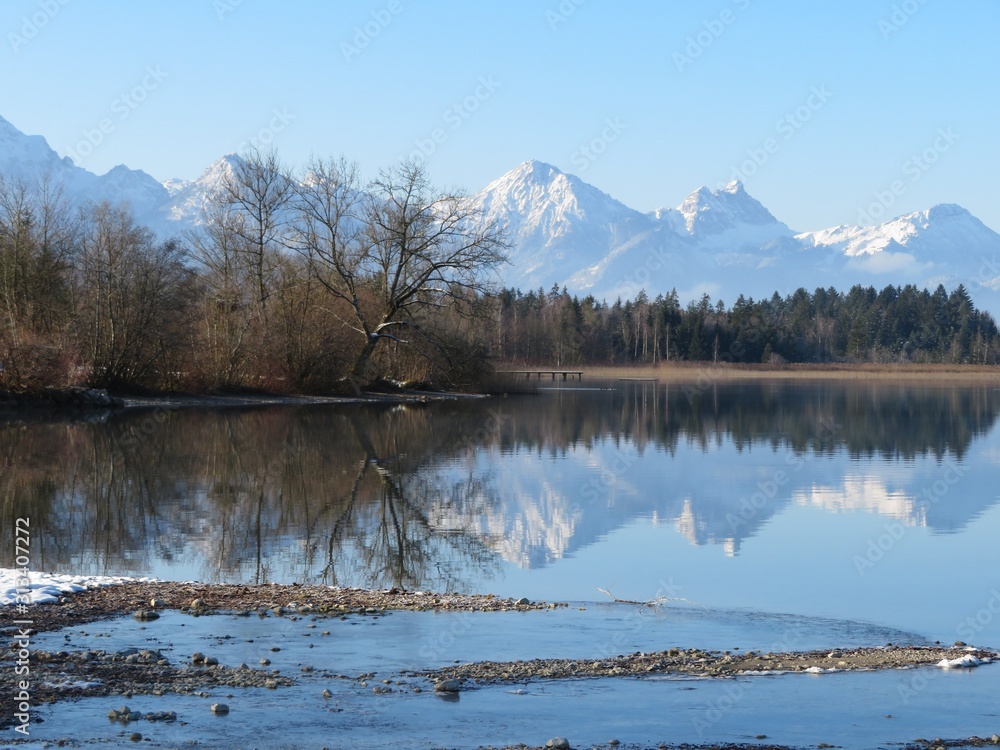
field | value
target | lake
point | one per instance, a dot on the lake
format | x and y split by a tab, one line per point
873	502
767	515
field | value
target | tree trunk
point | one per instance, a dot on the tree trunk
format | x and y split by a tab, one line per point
359	370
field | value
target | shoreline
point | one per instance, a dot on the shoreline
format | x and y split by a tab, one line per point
96	400
88	400
701	372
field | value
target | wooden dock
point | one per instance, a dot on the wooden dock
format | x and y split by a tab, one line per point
566	374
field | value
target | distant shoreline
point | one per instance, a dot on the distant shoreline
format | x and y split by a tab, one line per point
702	371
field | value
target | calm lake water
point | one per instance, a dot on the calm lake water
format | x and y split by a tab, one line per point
873	503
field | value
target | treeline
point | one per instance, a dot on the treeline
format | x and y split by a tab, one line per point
896	324
295	282
312	281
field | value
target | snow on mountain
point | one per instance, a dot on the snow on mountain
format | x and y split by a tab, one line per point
566	232
187	200
722	243
710	213
944	244
556	221
121	185
28	159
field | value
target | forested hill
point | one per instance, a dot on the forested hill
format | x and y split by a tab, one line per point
896	324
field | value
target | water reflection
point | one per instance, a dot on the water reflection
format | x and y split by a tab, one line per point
438	496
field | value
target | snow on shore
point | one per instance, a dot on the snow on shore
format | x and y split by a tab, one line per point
963	661
48	587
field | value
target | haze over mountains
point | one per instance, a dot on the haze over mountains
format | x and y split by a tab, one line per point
568	233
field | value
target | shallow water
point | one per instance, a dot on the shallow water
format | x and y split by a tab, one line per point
849	710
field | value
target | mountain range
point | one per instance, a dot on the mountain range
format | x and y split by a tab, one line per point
568	233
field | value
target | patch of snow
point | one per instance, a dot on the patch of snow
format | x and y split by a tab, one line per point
44	588
963	661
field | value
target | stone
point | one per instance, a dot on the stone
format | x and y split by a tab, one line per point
220	709
197	657
448	686
197	603
327	693
157	603
523	601
558	743
135	737
145	615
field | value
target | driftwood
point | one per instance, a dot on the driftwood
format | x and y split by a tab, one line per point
653	603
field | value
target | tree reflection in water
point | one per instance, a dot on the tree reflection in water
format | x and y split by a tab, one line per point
406	496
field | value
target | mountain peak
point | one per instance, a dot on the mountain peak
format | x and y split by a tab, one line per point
534	170
713	212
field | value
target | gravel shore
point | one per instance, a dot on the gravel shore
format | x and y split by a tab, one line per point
695	662
206	599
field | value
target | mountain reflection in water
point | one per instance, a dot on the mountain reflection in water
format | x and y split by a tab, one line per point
436	496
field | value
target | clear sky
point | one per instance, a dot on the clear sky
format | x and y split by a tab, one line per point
817	106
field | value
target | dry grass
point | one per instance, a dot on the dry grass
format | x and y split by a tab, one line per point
694	371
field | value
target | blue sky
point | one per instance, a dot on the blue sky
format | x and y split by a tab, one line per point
818	107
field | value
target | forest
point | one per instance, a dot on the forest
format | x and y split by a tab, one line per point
891	325
315	282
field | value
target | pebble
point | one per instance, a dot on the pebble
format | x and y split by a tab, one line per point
135	737
145	615
558	743
327	693
220	709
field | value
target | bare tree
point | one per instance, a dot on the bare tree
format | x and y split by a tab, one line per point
37	242
256	191
394	252
133	294
231	330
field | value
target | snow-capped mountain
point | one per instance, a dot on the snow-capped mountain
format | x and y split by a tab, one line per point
723	243
188	199
566	232
28	159
557	221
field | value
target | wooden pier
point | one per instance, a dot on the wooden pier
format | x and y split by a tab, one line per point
566	374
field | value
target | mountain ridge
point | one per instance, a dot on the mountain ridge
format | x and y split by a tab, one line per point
567	232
